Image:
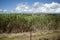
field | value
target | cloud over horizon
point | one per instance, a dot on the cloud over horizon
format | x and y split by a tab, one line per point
3	10
38	7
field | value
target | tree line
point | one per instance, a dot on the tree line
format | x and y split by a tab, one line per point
17	23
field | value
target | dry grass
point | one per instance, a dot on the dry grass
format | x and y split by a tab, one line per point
26	36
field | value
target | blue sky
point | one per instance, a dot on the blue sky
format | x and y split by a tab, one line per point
11	4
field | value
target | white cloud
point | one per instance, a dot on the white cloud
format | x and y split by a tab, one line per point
38	7
36	4
3	11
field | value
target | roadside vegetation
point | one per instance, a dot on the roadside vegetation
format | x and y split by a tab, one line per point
15	23
22	24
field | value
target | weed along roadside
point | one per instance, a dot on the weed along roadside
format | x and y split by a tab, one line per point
29	27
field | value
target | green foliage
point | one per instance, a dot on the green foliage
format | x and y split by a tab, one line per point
14	23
